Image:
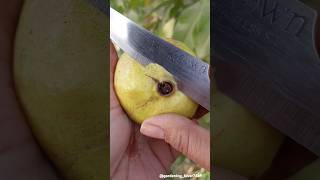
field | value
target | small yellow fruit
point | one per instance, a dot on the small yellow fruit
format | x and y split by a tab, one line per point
151	90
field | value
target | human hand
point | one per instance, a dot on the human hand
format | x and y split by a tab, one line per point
20	156
149	152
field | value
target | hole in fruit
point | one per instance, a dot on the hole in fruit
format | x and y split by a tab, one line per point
165	88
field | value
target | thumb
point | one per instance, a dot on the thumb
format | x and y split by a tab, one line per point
182	134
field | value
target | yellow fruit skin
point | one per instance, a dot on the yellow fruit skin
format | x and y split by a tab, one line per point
136	88
61	75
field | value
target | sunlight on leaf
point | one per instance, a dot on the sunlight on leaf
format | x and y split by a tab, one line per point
167	30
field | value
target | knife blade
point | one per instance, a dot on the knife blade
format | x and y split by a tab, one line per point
265	58
191	74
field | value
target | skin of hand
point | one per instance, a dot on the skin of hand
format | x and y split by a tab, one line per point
144	152
20	155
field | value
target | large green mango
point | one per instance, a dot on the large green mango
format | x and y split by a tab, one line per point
310	172
242	142
61	76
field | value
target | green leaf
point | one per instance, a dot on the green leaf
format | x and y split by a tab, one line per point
205	121
193	28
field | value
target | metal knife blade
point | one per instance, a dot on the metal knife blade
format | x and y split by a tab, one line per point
265	58
192	74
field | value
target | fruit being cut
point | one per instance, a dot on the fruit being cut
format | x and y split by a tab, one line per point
151	90
61	76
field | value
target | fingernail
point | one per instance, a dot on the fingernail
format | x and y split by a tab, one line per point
152	131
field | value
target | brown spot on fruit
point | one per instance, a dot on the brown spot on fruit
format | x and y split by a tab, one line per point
165	88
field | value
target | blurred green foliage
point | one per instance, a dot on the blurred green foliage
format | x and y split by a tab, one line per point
184	20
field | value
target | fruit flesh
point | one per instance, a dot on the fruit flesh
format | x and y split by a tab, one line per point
137	89
60	71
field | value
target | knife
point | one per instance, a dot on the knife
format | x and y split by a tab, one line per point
191	74
265	58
